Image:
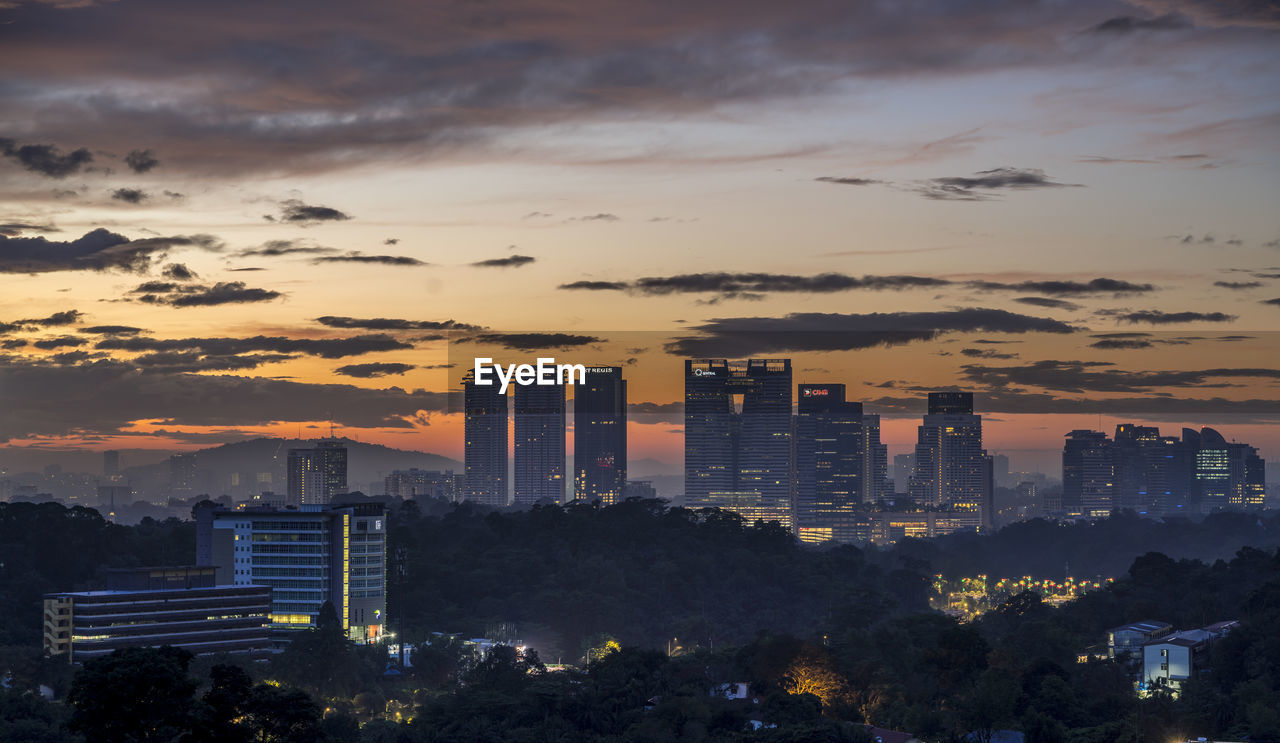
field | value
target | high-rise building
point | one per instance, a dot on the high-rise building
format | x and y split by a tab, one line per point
540	443
308	555
110	464
485	453
950	464
317	474
904	469
1212	462
739	452
416	483
830	458
182	474
600	436
875	464
1088	474
1143	469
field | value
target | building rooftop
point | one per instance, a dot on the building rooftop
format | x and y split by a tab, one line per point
1146	625
92	594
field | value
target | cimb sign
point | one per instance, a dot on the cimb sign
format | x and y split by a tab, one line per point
546	372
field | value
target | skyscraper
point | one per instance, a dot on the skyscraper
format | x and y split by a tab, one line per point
830	459
600	436
540	443
182	474
1143	466
950	465
110	463
875	462
742	456
1088	474
485	448
317	474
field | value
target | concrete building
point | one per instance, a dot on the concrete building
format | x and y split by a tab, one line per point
308	555
1129	638
319	474
416	483
1172	660
485	454
151	607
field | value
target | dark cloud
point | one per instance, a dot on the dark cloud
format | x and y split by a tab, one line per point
1257	13
1104	376
178	272
356	256
1275	301
110	394
1117	344
1238	285
1057	288
46	159
111	330
327	348
1156	317
1127	24
511	261
812	331
388	323
273	248
1056	304
13	343
57	319
59	342
848	181
194	361
602	217
535	341
99	250
13	229
369	371
986	353
197	295
296	212
391	241
140	161
130	195
752	285
974	188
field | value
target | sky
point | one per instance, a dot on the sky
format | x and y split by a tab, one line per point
233	219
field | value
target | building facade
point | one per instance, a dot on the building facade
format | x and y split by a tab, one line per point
539	444
316	475
485	447
600	436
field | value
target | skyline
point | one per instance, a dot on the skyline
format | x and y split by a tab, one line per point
292	208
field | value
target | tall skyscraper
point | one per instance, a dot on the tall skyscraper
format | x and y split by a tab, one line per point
904	470
485	448
1143	465
875	467
317	474
540	443
1212	471
182	474
950	465
830	459
1088	474
110	463
745	456
600	436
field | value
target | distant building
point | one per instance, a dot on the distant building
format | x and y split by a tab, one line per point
829	453
1130	638
485	453
639	489
416	483
904	468
1088	474
308	556
600	436
1172	660
110	463
182	474
115	496
318	474
151	607
951	467
539	444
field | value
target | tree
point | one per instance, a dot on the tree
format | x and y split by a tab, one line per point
134	695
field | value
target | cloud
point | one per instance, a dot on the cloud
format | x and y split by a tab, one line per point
13	229
111	330
535	341
369	371
1104	376
196	295
1239	285
57	319
356	256
178	272
294	211
1127	24
193	361
1275	301
1156	317
326	348
13	343
973	188
388	323
59	342
130	195
99	250
274	248
1060	288
1256	13
750	285
1056	304
391	241
512	261
141	161
1116	344
34	397
45	159
812	331
602	217
986	353
848	181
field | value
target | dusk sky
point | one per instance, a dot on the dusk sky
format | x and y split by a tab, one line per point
231	219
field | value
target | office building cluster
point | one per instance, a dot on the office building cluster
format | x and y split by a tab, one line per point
1140	470
540	416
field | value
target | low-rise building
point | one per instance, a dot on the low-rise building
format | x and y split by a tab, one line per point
1172	660
1128	639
